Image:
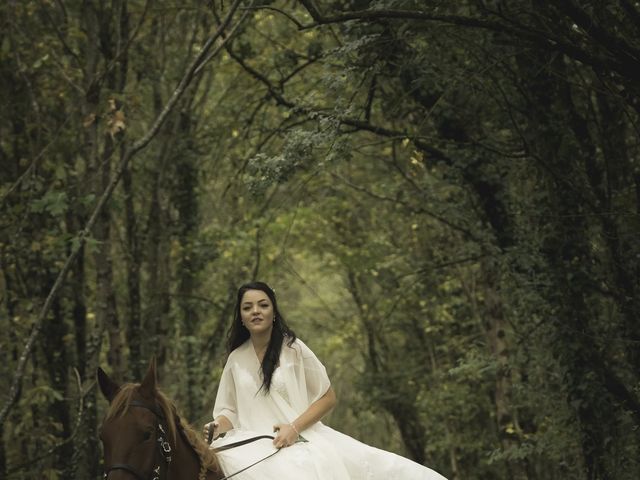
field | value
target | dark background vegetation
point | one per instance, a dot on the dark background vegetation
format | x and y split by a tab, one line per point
444	194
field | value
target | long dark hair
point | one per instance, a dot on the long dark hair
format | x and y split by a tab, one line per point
238	334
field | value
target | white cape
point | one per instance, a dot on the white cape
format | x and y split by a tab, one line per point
299	380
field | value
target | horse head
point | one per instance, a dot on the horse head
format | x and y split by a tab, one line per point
143	437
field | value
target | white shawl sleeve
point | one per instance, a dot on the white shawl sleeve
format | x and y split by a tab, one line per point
315	375
226	400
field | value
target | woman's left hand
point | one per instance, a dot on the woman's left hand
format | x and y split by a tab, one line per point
285	435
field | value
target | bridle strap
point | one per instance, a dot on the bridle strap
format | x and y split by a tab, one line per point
155	474
151	408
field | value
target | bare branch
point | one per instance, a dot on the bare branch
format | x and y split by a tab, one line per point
542	40
201	59
282	12
370	96
632	11
467	233
81	394
35	161
280	99
618	46
222	44
65	46
122	51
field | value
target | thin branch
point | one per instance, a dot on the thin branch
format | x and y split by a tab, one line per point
222	44
81	394
352	122
81	238
259	148
288	265
124	50
618	46
65	46
35	161
297	70
256	266
282	12
632	11
370	96
218	305
467	233
541	39
439	266
385	132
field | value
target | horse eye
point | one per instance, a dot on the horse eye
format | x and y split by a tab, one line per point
146	436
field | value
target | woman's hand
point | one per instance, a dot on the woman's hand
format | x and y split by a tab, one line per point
210	431
286	435
213	430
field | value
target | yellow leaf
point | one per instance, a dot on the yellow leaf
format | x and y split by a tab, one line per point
116	123
88	120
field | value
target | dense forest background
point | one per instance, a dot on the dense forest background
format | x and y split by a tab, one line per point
445	196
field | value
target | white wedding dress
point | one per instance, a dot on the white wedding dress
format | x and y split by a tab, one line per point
327	454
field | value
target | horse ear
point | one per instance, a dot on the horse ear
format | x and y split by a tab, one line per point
148	385
107	386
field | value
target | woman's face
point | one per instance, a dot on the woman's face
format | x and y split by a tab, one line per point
256	312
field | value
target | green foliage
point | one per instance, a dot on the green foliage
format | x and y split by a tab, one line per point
446	208
54	203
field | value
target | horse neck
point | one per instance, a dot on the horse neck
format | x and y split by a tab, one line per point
185	464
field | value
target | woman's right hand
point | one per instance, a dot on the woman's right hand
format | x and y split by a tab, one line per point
210	431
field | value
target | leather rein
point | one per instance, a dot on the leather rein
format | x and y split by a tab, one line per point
163	450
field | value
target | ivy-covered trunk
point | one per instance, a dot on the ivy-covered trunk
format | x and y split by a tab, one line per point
567	252
188	268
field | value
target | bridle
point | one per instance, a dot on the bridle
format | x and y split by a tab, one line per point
162	451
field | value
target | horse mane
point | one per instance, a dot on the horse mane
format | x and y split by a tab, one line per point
121	403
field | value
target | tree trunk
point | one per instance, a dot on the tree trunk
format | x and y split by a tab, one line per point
396	399
567	246
156	315
187	205
133	261
57	361
86	449
619	234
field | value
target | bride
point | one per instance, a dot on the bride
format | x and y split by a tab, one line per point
272	382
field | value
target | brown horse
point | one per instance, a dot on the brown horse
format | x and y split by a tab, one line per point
144	438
